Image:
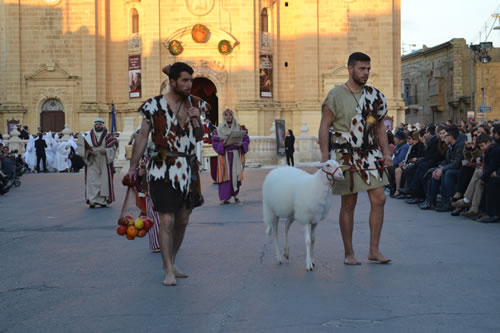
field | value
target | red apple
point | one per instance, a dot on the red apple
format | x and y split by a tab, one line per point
141	233
148	224
121	230
123	221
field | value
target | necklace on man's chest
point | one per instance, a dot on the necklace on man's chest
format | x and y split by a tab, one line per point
181	114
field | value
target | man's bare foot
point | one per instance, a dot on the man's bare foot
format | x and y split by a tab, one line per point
351	260
179	274
378	258
169	279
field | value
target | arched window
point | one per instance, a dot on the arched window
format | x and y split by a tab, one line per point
135	21
52	105
52	116
264	21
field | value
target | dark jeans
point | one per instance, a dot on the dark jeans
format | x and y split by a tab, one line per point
464	176
408	174
417	185
44	160
289	157
490	201
449	184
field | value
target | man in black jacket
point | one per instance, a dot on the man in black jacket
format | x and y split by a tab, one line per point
432	156
490	203
40	146
446	174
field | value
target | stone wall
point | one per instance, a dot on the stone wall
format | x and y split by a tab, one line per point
77	52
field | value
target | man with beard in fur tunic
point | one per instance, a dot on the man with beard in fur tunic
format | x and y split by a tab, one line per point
359	141
98	149
173	120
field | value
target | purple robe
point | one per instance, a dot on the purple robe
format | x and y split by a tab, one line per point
226	190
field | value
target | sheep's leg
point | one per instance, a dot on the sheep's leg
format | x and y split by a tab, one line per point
309	265
313	240
286	254
276	246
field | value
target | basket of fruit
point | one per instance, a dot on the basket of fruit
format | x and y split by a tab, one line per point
131	228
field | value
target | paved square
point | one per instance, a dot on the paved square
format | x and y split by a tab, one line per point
64	269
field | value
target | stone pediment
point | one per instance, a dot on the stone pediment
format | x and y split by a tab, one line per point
50	72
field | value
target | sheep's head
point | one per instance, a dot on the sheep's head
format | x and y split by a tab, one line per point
333	170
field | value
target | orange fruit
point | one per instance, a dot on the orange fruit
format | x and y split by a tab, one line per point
131	231
130	237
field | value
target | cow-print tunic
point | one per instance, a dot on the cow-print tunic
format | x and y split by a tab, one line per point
354	137
167	135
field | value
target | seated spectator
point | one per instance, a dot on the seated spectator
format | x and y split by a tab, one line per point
474	192
8	163
407	168
398	159
433	154
445	175
490	205
471	154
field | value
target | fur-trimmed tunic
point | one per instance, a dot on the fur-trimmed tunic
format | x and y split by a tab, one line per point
168	135
354	139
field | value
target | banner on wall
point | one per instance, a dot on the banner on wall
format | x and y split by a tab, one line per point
280	136
134	76
266	76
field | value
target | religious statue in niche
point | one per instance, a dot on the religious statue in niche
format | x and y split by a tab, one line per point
200	7
200	33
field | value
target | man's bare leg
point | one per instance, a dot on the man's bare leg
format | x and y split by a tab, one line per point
181	222
166	237
377	201
346	222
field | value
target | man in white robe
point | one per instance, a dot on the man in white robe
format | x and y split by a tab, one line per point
98	149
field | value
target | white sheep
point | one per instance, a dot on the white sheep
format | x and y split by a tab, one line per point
299	196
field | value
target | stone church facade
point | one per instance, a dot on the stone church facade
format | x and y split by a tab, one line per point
67	62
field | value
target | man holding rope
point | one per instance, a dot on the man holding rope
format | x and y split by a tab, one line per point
359	141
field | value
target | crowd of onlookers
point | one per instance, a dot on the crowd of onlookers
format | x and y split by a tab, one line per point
448	168
44	152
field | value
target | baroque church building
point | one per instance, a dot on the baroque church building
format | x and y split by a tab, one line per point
68	61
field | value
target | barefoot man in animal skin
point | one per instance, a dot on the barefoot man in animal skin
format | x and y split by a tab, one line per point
356	111
173	175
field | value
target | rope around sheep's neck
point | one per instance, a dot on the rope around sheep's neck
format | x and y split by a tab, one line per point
329	175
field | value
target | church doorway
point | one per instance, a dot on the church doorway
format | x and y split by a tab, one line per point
206	90
52	116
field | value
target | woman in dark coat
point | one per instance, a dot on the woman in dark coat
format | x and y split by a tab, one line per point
289	150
